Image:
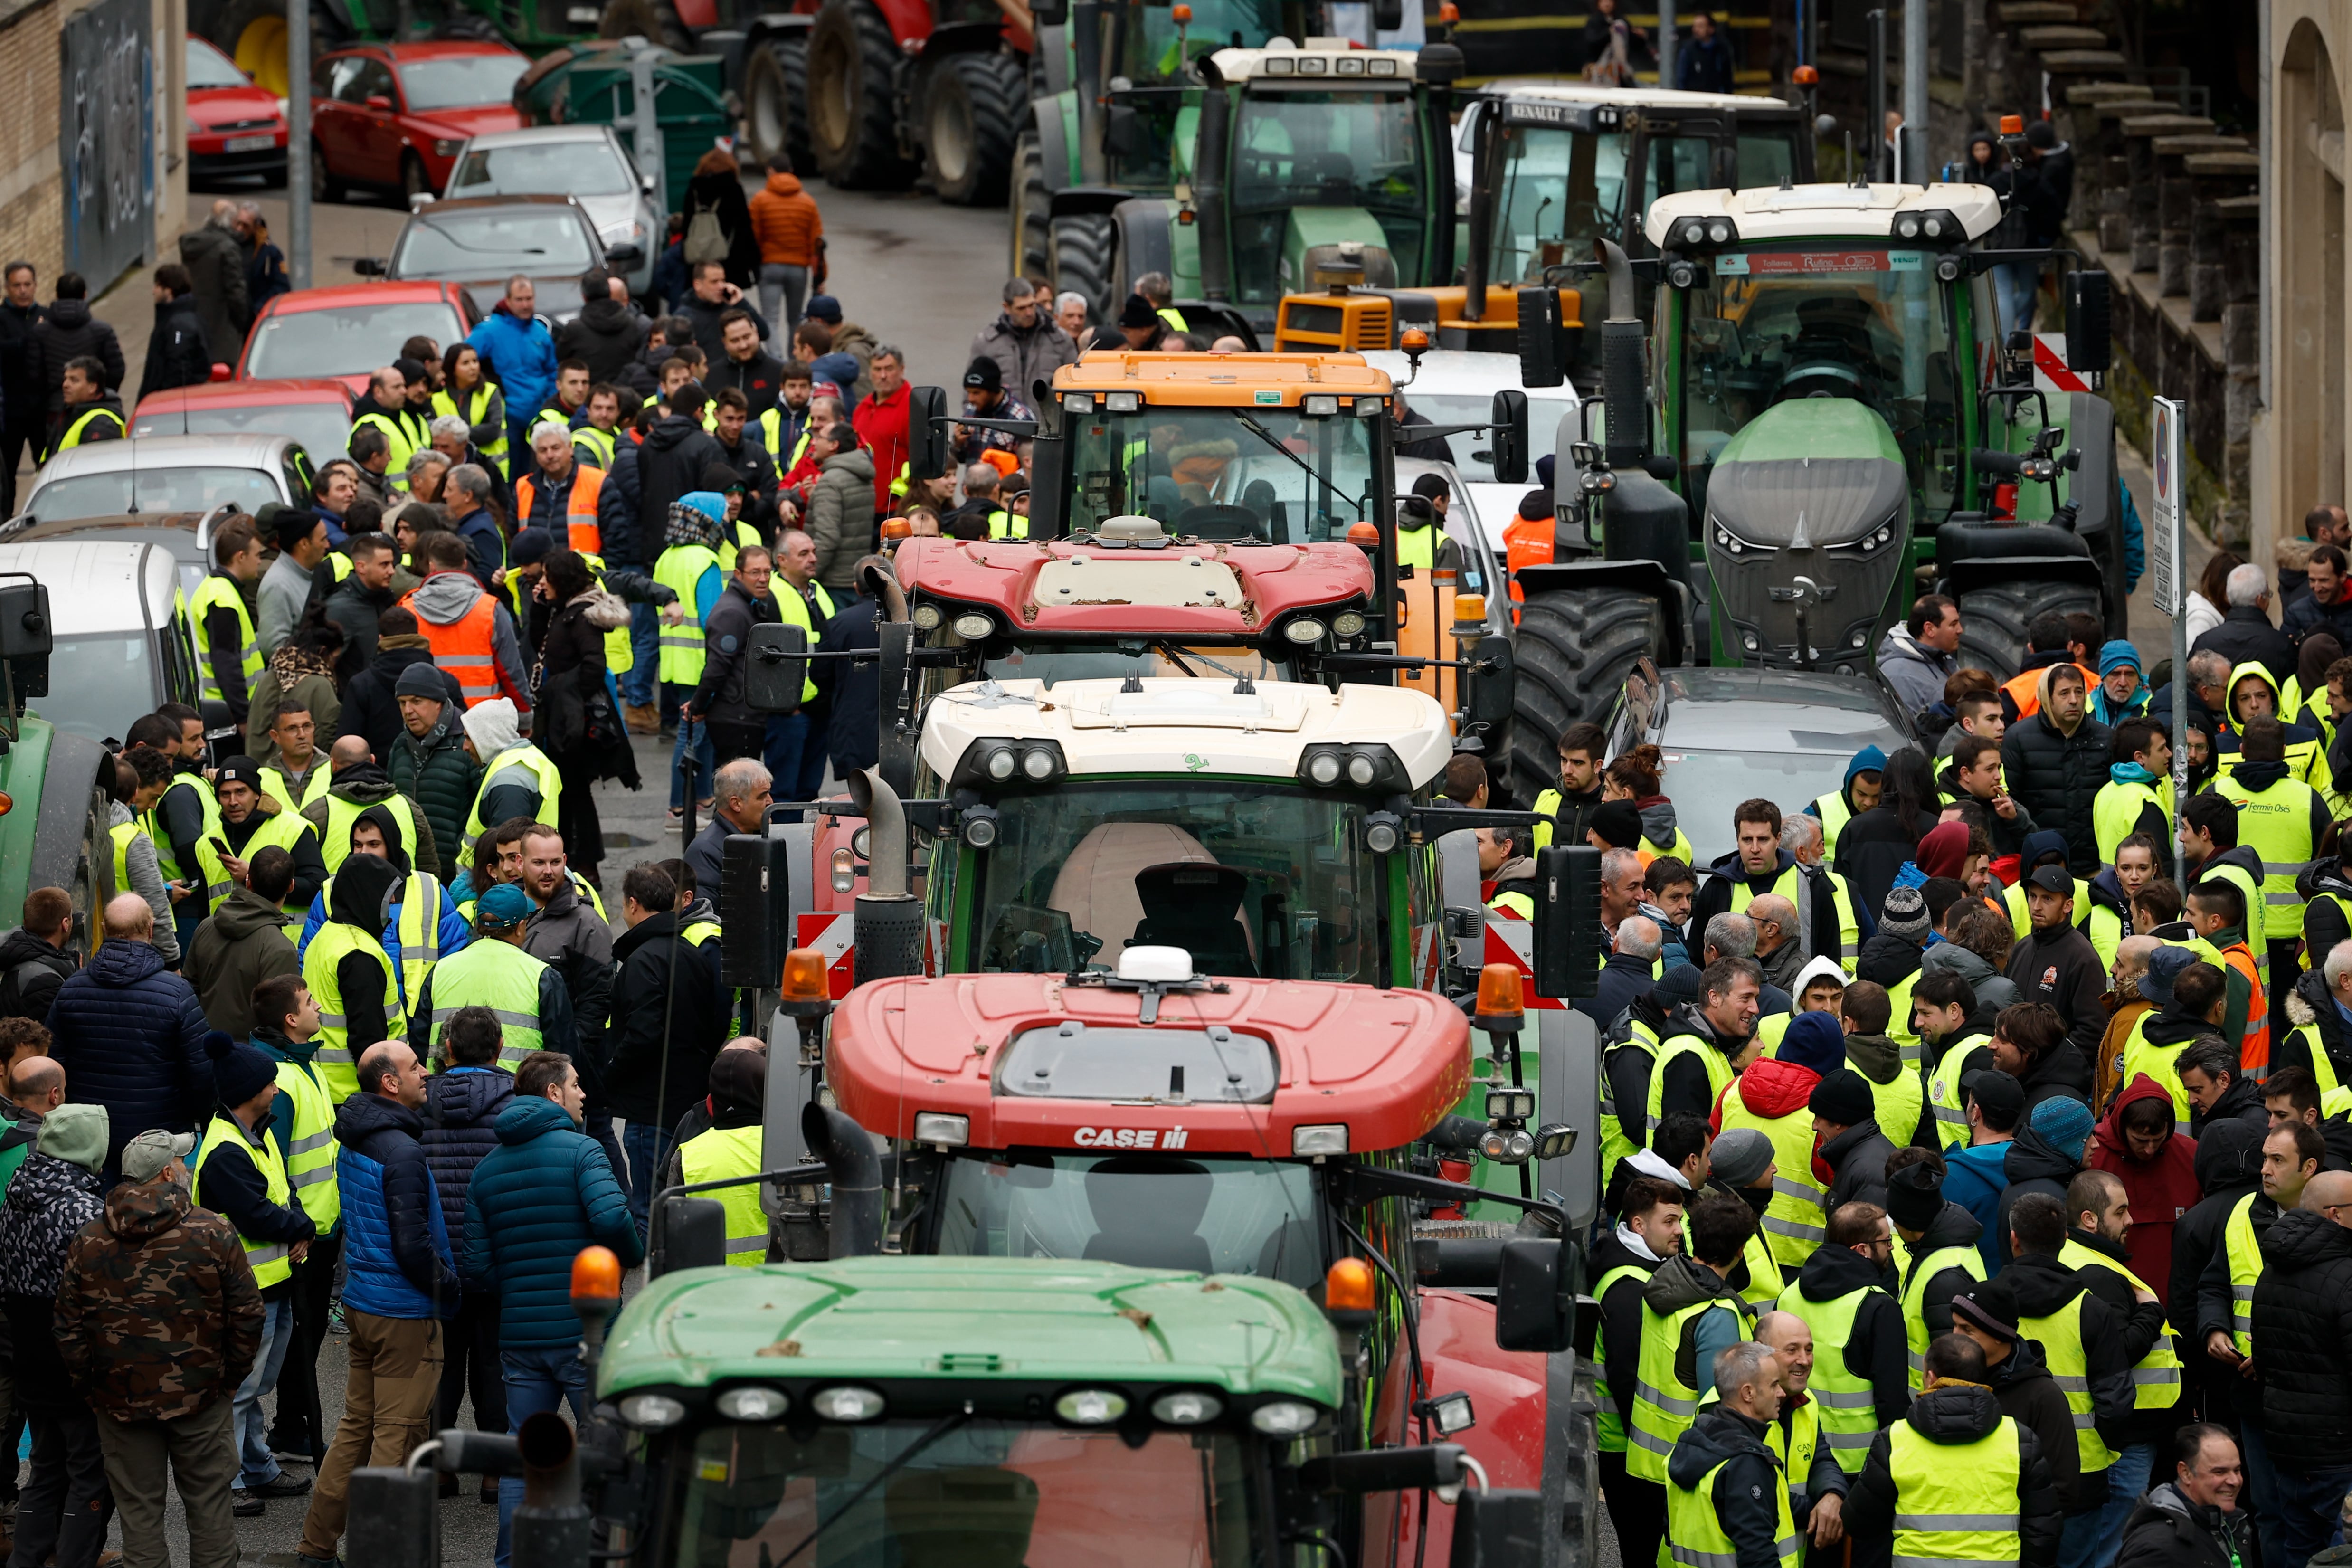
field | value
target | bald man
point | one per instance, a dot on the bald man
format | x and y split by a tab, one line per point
37	1086
132	1034
360	782
1816	1497
1778	948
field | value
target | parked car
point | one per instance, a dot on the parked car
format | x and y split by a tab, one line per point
481	242
394	116
315	411
170	473
123	646
233	127
188	535
586	162
352	330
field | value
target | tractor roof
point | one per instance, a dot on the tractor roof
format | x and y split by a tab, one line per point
1221	381
1840	212
911	1320
1175	726
1034	1061
1323	62
1650	101
1054	589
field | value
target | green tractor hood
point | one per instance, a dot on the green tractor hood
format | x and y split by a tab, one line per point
1807	520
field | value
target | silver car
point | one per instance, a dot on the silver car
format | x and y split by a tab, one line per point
585	161
154	474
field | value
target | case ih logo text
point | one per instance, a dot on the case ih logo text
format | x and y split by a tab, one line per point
1129	1138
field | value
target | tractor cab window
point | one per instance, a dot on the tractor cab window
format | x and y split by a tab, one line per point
1320	154
1767	157
1782	326
1562	189
1674	163
1150	48
1166	122
1267	475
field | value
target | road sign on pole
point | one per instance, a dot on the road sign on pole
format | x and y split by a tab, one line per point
2167	556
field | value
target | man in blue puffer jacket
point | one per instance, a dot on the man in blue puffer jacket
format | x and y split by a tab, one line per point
518	353
399	1283
130	1036
544	1193
462	1107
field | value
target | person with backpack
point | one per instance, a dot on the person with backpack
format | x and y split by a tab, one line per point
719	224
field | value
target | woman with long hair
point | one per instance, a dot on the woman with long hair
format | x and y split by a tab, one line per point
1636	776
719	220
466	393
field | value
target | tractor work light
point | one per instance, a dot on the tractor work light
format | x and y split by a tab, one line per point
1187	1408
980	825
1123	402
973	626
1278	65
1381	65
1348	64
1332	764
1311	65
1451	1413
942	1129
1554	1139
1509	1104
1001	764
994	760
1683	274
1285	1417
1949	268
1037	764
1090	1407
844	870
1316	1142
847	1403
1304	630
1079	402
1507	1146
652	1412
753	1403
1319	406
1324	768
1383	832
1352	622
927	617
1372	407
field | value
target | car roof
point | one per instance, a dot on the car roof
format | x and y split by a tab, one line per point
98	587
1454	372
156	452
479	203
261	391
1774	710
1553	89
531	134
406	290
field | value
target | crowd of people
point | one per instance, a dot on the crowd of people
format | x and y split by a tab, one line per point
1978	1186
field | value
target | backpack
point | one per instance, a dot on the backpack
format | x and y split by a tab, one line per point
706	240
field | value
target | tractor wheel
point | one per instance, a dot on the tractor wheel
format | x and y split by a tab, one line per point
792	59
1993	620
853	127
1575	650
324	186
972	107
1085	247
653	20
767	104
1032	237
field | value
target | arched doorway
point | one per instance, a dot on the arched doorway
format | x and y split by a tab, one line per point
2310	370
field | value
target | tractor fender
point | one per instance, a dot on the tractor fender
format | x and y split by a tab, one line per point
1053	143
1984	571
1072	201
1147	243
1642	576
1052	47
777	26
958	38
910	20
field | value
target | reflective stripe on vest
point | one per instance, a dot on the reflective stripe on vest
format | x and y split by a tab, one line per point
498	975
220	593
336	1061
1955	1502
78	431
400	439
1944	1091
1695	1534
2116	812
1609	1428
714	1156
619	657
1849	1409
542	769
2275	823
1834	814
1793	1224
1765	1279
421	901
315	785
271	1261
1614	1145
335	844
1794	1445
794	610
2245	1255
311	1145
680	568
2156	1377
122	834
2060	1335
1663	1406
208	873
601	444
582	532
466	647
1915	1299
283	831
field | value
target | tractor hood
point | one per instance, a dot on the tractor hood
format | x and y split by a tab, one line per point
1807	516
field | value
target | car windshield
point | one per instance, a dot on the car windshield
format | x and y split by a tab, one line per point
460	81
207	67
1773	326
1544	415
1069	882
1306	148
483	244
1707	786
323	428
1149	1210
98	685
346	339
585	167
989	1493
1265	474
153	490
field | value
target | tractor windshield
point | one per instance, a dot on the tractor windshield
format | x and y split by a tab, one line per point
1269	475
988	1491
1149	43
1817	320
1302	159
1254	878
1148	1209
1562	188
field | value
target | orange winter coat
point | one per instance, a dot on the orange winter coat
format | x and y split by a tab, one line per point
785	222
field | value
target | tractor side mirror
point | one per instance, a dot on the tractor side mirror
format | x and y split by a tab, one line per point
1509	436
1487	693
691	1232
1497	1529
1123	133
776	668
1542	362
2089	321
927	438
1532	1313
1388	15
1568	950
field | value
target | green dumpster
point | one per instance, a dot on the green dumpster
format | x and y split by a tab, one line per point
598	83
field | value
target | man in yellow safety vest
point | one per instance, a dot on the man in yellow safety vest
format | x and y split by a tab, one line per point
302	1126
228	652
91	412
1817	1487
729	1147
1940	1240
1842	1295
1727	1497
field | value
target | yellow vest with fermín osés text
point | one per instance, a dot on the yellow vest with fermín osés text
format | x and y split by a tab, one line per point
1916	1276
1955	1502
1849	1408
270	1260
1793	1224
500	976
311	1145
715	1154
2275	823
2060	1335
337	1061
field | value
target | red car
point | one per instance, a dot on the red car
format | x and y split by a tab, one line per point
394	116
315	411
233	127
350	332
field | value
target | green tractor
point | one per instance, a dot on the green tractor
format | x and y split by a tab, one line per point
1835	425
54	784
1243	173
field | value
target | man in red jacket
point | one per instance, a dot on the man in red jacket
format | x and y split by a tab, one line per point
881	420
2140	1146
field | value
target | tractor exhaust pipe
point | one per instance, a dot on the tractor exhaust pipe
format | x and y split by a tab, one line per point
855	1170
1623	302
886	921
1622	376
886	832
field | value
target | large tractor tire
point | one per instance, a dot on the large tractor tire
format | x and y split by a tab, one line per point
792	59
972	108
770	105
1993	620
1575	650
852	124
1086	260
656	21
1033	236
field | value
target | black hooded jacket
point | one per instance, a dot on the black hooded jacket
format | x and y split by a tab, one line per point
30	973
1687	1087
1953	1226
355	898
1747	1487
2324	921
1878	1351
2032	1397
2302	1325
2167	1530
2043	1286
2241	1102
1621	1317
1887	960
1714	899
2033	1164
607	336
2311	1003
1628	1065
2058	965
1958	1414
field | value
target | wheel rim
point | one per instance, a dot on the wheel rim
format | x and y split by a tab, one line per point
261	53
951	138
318	172
829	69
767	112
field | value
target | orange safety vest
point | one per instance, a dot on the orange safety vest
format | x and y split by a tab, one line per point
578	508
2254	1045
465	647
1528	542
2024	691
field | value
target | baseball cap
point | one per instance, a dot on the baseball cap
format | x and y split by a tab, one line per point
1994	1089
145	1156
502	908
2164	967
2052	880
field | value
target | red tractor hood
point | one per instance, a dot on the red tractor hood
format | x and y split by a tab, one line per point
1239	592
1387	1064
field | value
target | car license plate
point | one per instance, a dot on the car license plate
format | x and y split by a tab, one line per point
248	144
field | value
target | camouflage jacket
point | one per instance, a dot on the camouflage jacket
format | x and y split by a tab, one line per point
157	1312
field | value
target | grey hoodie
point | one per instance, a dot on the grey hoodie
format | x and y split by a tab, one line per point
1994	991
146	880
447	598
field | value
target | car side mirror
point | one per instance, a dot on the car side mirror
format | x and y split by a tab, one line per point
379	103
368	266
624	256
222	371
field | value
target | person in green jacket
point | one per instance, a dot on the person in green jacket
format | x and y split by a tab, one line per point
429	766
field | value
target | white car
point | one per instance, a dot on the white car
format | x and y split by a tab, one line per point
586	162
151	474
122	645
1456	386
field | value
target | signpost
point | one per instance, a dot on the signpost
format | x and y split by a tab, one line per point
2167	553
